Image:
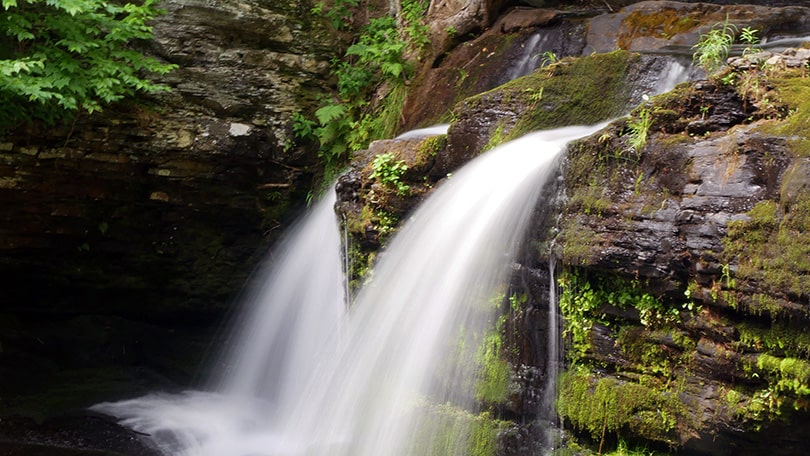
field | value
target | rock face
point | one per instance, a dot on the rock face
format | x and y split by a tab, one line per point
512	47
125	236
170	196
681	278
674	227
451	20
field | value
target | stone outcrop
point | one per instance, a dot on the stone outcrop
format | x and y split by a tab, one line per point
670	26
452	20
693	338
171	195
681	220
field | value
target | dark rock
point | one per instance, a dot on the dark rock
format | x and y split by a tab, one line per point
81	435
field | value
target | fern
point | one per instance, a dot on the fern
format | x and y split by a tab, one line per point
68	55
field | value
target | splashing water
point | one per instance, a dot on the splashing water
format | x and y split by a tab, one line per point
281	335
308	380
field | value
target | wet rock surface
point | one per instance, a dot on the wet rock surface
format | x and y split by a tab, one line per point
85	435
669	216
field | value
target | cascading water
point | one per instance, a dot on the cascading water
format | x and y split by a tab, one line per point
440	129
277	343
532	56
319	383
554	356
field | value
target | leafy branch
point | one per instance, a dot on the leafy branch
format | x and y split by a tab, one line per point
58	57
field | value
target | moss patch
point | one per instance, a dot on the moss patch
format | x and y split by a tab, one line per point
573	91
664	24
772	247
606	405
448	430
794	91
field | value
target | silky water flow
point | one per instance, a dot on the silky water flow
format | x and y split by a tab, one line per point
314	376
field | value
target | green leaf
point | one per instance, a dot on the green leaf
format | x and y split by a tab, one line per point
329	113
64	55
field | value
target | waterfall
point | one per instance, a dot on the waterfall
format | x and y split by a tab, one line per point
284	329
359	382
554	356
531	57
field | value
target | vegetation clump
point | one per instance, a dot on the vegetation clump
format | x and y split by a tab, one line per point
61	57
389	171
584	302
449	430
375	67
570	91
606	407
772	247
712	49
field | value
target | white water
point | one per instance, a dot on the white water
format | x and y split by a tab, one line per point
674	73
283	332
308	381
531	58
440	129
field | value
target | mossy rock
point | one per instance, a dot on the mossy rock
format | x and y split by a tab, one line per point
573	91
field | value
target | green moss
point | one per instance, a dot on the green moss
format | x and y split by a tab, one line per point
660	352
495	378
428	149
784	387
773	246
580	91
579	243
450	431
496	137
597	406
573	91
787	374
781	338
663	23
583	299
795	93
586	162
590	200
359	265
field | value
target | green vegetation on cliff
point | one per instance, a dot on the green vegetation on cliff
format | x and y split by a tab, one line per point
741	360
607	407
448	430
370	83
772	248
61	57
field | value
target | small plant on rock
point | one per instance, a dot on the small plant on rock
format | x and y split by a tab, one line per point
388	171
711	51
640	127
750	38
549	58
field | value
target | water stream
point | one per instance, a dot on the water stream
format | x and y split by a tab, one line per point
312	378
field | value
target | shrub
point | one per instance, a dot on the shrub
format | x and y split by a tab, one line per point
58	57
